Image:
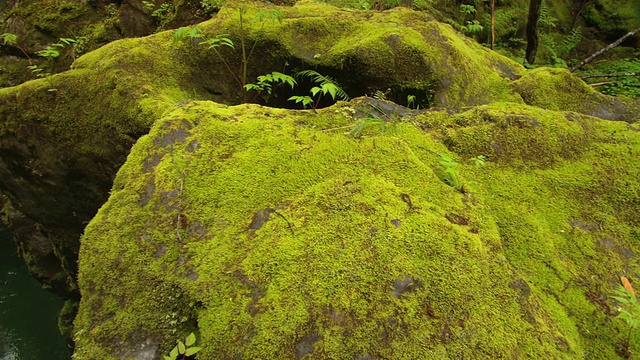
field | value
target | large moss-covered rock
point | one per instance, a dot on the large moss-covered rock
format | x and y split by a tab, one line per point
557	89
64	136
274	234
91	24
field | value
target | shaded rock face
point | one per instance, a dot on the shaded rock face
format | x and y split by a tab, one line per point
39	23
272	233
135	22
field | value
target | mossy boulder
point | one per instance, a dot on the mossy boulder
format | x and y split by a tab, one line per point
275	233
39	23
558	89
65	136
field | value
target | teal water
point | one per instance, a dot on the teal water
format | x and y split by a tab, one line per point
28	313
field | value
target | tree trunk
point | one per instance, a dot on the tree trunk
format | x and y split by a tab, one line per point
493	23
532	30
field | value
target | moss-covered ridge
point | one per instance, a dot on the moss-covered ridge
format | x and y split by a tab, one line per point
63	138
273	234
60	150
558	89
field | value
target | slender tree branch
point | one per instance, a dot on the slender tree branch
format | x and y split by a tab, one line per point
609	75
603	83
603	50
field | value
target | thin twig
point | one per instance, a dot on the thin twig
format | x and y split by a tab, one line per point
609	75
285	219
603	83
603	50
178	218
338	128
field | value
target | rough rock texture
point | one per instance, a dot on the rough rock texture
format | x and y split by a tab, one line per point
276	235
272	233
39	23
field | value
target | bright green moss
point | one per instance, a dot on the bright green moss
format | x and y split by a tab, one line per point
557	89
506	272
519	267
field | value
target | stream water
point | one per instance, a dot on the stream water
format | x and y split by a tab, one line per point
28	313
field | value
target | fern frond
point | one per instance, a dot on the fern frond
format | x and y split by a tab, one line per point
327	84
570	41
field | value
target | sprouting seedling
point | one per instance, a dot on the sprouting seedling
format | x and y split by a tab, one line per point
185	349
387	123
451	175
630	308
411	101
479	160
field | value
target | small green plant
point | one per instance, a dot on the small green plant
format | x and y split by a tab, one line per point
185	349
386	124
325	85
629	309
223	40
263	16
51	52
9	39
467	9
184	32
305	100
161	12
211	5
77	45
451	175
471	26
266	82
478	161
411	101
381	95
212	44
12	40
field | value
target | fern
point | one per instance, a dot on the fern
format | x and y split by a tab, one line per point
327	85
305	100
472	27
265	82
183	32
546	21
9	38
467	9
570	41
